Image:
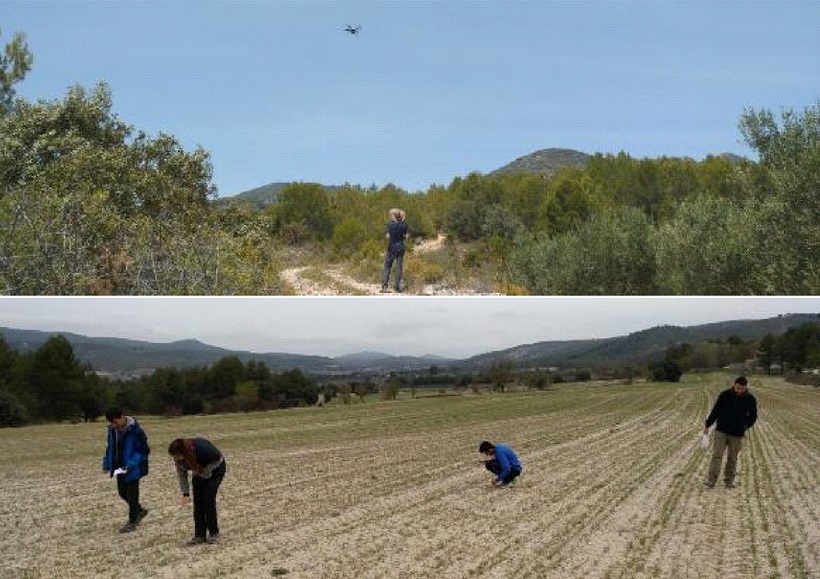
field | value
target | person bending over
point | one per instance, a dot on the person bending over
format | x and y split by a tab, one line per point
207	464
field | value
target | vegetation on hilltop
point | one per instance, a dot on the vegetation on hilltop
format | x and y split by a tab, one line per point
91	205
51	384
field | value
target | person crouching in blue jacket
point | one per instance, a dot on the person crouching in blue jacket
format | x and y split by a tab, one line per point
126	457
502	462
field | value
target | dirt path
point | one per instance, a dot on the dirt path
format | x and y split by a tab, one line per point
333	281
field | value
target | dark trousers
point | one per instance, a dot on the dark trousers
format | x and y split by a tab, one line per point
394	253
205	490
495	467
130	493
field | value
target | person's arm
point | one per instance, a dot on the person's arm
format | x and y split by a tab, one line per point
710	420
504	463
139	446
182	475
751	417
106	459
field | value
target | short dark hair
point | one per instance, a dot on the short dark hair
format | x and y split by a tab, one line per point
112	413
485	447
742	381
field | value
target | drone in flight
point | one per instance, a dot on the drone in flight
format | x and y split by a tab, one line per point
353	29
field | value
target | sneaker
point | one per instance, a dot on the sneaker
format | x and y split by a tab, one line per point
397	289
213	539
730	484
384	289
128	527
708	484
194	541
142	515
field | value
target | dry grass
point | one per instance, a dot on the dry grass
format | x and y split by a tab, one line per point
612	488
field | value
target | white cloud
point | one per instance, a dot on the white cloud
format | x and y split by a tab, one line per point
454	327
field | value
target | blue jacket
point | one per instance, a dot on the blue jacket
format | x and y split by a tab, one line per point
135	451
506	459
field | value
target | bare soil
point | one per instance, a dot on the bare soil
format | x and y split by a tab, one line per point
332	280
612	488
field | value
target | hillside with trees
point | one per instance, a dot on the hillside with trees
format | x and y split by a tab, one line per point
92	205
50	380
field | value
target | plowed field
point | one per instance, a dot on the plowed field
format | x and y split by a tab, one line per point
612	487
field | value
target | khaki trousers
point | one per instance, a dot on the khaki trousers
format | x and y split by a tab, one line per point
723	442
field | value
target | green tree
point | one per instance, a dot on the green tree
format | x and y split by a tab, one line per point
55	378
348	236
391	387
713	246
500	374
666	371
223	378
15	62
307	207
570	201
789	153
88	205
610	254
12	411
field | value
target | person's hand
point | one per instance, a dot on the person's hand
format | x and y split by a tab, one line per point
120	471
185	501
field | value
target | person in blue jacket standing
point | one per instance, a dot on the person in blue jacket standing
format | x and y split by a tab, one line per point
126	457
501	461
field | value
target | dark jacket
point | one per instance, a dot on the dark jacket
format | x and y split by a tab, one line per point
128	449
733	413
397	232
208	456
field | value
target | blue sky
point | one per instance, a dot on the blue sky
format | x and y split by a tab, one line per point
430	89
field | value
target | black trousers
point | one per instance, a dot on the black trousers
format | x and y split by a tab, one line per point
130	493
394	253
205	489
495	467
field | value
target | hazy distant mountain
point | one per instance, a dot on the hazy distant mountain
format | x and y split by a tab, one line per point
131	357
379	362
637	347
732	158
545	162
263	196
121	356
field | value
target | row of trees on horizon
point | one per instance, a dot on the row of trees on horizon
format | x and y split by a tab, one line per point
52	384
91	205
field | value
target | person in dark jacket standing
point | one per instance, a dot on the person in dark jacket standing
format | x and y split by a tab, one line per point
735	411
396	234
126	457
208	466
501	461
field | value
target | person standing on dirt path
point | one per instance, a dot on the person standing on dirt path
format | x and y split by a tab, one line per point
735	411
208	466
126	457
396	234
501	461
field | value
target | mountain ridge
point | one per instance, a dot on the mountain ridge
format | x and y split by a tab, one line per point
124	356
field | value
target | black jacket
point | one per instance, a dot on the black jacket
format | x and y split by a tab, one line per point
733	413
